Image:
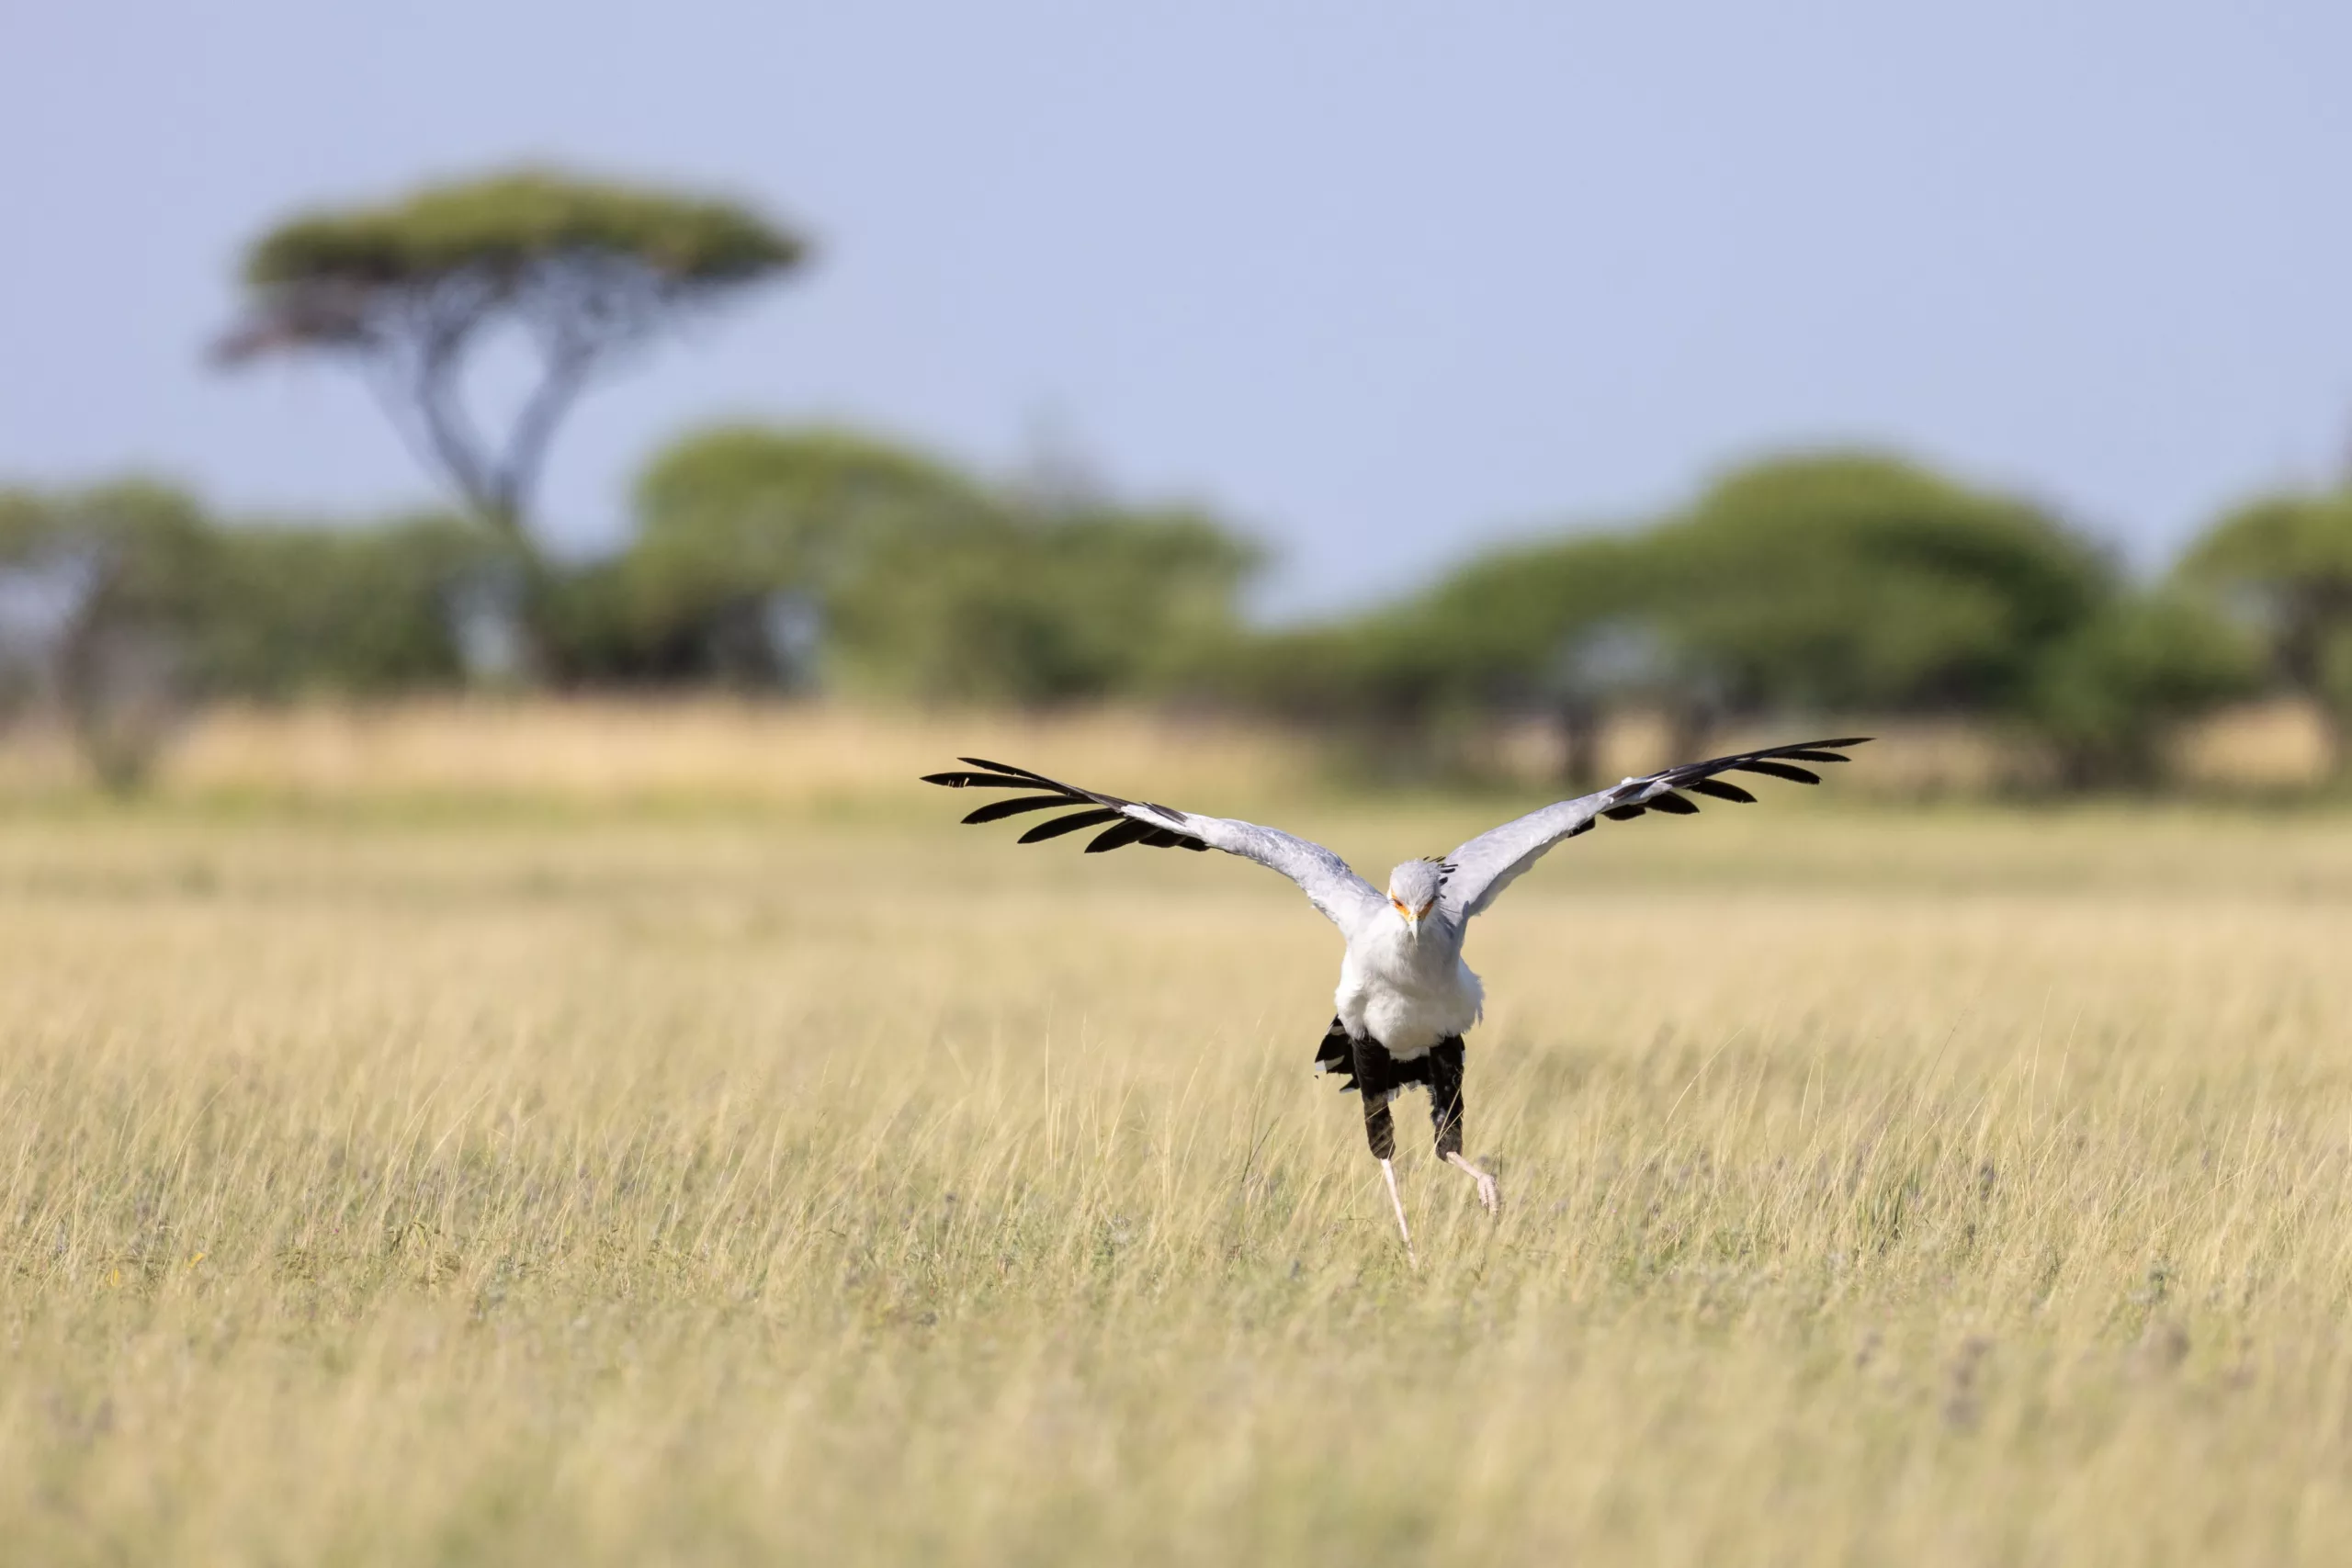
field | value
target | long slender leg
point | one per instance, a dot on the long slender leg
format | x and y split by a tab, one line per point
1376	1081
1445	1071
1489	1195
1388	1169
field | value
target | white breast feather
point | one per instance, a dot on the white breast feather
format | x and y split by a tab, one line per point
1407	995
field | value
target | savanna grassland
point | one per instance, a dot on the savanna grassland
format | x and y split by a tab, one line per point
598	1182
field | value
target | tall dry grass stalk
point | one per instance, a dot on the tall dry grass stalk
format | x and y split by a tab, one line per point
1923	1190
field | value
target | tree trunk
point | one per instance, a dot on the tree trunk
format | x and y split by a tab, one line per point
2314	655
1692	724
1579	723
517	646
121	686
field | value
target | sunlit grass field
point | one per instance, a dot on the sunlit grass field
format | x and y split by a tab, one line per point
833	1185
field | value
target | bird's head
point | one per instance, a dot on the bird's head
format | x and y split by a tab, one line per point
1413	888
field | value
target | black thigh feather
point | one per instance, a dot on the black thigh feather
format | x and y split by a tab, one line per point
1372	1072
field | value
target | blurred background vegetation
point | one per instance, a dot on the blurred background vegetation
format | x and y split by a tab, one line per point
805	563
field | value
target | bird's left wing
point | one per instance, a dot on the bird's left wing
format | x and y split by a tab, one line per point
1489	863
1328	881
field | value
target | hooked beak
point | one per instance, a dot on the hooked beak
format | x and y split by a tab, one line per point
1411	917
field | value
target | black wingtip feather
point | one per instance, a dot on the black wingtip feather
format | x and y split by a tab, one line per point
981	781
1125	831
1171	832
996	810
1703	778
1010	769
1070	824
1778	770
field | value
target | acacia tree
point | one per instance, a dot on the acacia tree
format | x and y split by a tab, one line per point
2290	557
739	521
896	572
110	587
584	271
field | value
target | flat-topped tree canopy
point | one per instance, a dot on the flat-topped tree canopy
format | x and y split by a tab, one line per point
582	269
507	222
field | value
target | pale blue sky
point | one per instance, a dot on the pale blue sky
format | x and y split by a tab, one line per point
1379	281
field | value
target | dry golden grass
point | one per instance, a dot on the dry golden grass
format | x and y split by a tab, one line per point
2280	744
1881	1188
604	752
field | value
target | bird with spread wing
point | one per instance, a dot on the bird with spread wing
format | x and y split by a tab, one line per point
1405	998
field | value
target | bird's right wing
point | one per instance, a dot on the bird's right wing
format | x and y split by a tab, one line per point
1327	880
1479	871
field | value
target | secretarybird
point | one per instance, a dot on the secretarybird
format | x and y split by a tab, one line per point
1405	998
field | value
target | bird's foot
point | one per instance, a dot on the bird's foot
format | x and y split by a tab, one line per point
1489	1197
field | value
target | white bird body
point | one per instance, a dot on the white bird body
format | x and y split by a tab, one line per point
1409	991
1405	998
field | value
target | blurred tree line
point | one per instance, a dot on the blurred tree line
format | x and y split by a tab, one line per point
802	560
814	559
1846	583
761	561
